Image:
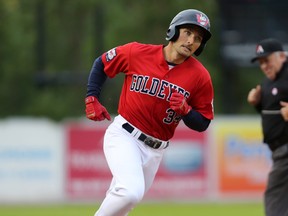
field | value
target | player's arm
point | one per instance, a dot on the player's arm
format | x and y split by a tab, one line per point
96	78
94	110
194	120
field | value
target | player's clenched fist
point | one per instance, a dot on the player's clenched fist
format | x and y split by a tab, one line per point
94	110
178	104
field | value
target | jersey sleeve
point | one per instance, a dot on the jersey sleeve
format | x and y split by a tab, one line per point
203	100
116	60
96	79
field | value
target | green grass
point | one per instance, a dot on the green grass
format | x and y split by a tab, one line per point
157	209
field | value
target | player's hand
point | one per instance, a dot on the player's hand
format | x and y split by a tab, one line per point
254	96
179	104
94	110
284	110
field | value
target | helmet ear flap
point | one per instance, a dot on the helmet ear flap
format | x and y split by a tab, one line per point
176	35
172	33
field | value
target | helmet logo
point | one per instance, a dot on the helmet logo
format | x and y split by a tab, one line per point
203	20
259	49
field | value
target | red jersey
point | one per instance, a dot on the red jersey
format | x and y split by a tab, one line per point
149	83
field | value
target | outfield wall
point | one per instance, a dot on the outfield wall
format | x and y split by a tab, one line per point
44	161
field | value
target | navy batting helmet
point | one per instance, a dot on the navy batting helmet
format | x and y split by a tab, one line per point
190	17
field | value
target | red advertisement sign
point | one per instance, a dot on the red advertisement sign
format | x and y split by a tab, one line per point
88	175
183	173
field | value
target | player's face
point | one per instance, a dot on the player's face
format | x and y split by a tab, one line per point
272	64
189	40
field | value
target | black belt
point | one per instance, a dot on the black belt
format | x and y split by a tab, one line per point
150	141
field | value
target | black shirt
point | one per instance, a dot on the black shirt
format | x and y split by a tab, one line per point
275	129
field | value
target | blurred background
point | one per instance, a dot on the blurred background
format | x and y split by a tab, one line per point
47	48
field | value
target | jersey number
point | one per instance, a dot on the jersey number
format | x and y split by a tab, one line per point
171	116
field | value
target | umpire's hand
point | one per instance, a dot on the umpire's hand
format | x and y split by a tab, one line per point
284	110
254	95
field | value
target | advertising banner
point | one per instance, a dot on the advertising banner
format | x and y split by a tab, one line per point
243	160
44	161
182	174
87	173
31	161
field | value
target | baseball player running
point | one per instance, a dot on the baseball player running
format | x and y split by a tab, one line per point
163	84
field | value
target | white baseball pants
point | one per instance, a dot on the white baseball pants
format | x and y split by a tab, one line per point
133	166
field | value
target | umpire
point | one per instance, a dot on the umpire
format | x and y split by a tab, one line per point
271	100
